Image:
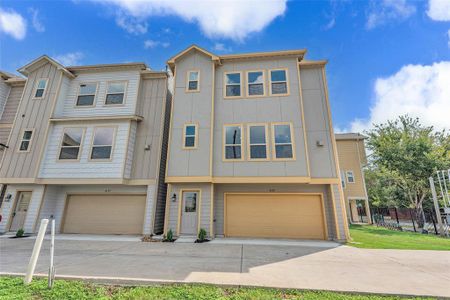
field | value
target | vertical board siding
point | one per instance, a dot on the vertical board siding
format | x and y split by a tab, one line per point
33	208
149	206
339	209
84	168
4	92
52	206
32	113
349	153
130	150
69	109
11	105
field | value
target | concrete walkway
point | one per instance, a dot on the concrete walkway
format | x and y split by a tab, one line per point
306	266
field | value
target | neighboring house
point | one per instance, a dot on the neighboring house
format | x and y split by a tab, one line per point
352	159
87	149
251	148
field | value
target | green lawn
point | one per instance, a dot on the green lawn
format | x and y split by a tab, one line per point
368	236
13	288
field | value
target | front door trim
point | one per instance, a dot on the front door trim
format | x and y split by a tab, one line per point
180	207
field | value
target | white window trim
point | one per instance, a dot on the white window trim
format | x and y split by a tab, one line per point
61	146
287	82
224	139
36	88
124	93
187	81
274	144
30	141
95	95
242	83
195	136
347	172
248	83
266	133
112	145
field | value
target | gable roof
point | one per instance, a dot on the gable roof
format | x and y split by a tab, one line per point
27	69
171	61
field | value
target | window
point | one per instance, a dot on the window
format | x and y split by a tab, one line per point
86	94
27	135
350	177
283	144
232	85
71	144
190	201
257	142
102	143
40	88
233	142
343	179
115	93
278	82
190	136
193	80
255	82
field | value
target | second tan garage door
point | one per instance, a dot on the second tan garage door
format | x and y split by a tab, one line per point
274	216
98	214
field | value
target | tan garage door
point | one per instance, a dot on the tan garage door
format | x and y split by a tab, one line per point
98	214
274	216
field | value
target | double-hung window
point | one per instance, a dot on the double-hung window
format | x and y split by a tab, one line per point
233	85
41	86
193	81
86	94
115	93
25	142
71	143
257	142
233	142
350	176
278	82
190	136
282	141
255	83
102	143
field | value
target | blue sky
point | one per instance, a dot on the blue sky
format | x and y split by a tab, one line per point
386	57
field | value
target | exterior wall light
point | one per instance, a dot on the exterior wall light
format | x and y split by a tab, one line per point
174	197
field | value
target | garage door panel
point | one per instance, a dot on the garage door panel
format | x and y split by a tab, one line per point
274	215
113	214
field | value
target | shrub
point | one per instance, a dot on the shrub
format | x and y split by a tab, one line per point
20	232
169	237
202	235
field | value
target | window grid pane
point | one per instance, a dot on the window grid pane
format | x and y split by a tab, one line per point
233	84
283	141
233	149
102	144
189	136
257	141
278	80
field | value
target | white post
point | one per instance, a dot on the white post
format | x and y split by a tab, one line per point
436	206
51	270
36	250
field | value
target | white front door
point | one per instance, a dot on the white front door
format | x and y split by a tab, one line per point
20	211
189	212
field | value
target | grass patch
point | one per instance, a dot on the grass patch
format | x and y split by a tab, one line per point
13	288
368	236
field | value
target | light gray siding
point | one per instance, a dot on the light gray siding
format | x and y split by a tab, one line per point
191	107
12	103
32	113
4	92
322	161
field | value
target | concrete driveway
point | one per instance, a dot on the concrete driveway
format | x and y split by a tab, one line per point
303	266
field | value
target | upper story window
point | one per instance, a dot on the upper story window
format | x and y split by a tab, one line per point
255	83
190	136
71	143
233	142
115	93
350	176
278	82
233	85
86	94
257	141
193	81
102	143
283	142
25	142
41	86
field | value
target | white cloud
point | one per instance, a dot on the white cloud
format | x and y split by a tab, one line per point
131	24
13	24
439	10
150	44
330	24
70	59
386	11
234	19
417	90
220	47
35	20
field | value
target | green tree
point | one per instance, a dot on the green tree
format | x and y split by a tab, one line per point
403	154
